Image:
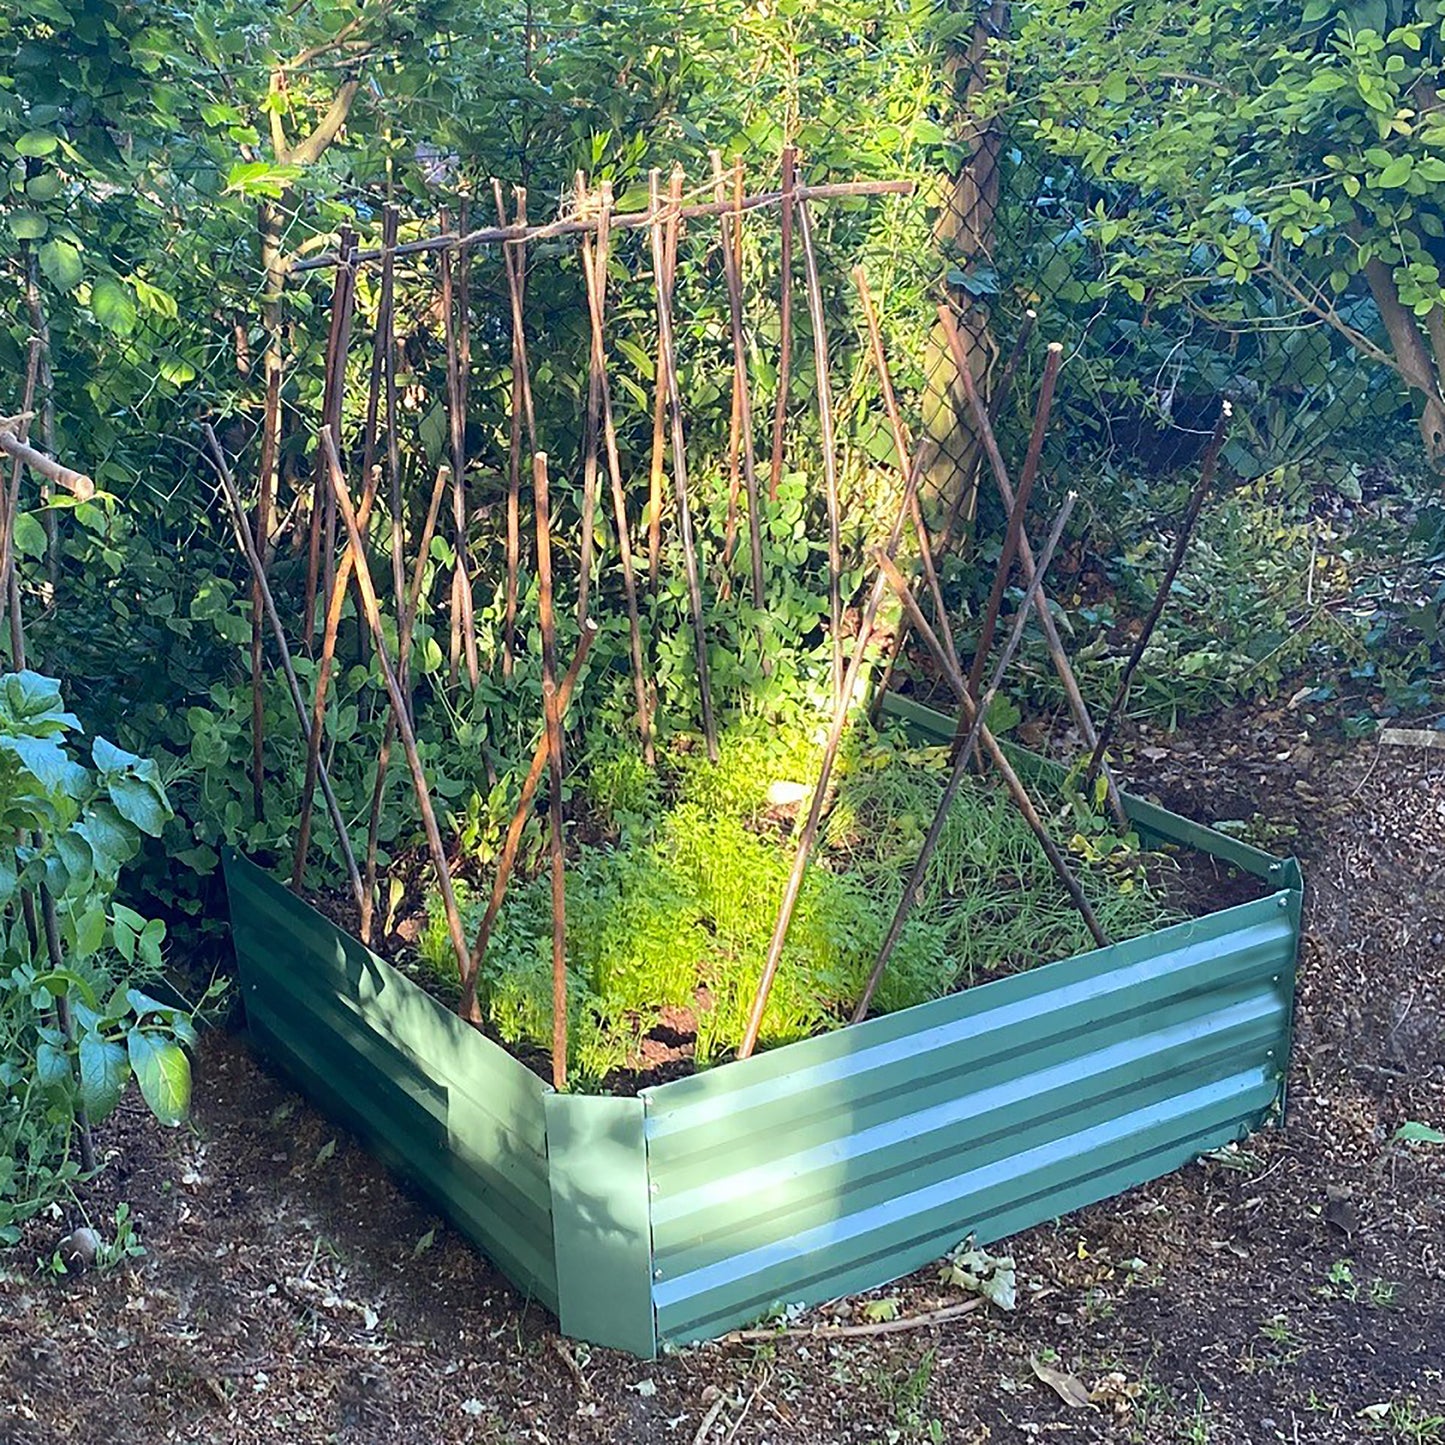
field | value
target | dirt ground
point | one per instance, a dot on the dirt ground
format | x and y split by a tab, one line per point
1292	1290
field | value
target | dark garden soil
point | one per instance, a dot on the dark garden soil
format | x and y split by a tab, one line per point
1291	1290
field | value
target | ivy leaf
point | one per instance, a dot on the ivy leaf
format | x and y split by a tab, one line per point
104	1068
163	1072
61	263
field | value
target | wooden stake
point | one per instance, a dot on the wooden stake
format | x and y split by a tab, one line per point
371	608
829	445
242	529
265	494
80	486
808	833
321	695
514	257
661	230
406	623
321	546
522	813
1166	585
9	579
1052	641
623	221
463	620
668	357
968	463
552	718
742	392
962	749
1016	513
785	320
595	271
591	428
996	756
386	338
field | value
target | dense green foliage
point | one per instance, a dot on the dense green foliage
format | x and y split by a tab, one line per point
74	1027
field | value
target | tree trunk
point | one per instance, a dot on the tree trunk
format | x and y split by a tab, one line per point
965	230
1419	368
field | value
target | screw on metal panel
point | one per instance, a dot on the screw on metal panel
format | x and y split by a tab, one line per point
1284	900
657	1274
655	1187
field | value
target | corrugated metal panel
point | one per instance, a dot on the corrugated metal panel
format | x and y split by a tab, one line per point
1150	819
598	1158
431	1097
845	1161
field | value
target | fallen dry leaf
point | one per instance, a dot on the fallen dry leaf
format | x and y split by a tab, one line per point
1071	1390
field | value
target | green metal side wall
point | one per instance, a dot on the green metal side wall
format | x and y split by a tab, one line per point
846	1161
431	1097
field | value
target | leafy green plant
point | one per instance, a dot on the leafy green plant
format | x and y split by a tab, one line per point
74	1028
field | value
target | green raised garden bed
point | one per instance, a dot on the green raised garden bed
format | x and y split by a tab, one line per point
825	1166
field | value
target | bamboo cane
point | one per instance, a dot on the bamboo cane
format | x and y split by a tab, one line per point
370	606
1016	514
742	392
321	694
968	463
990	745
1057	656
829	445
514	258
265	492
523	811
386	331
622	221
595	270
553	721
679	478
963	744
321	544
785	319
662	228
591	429
406	623
463	622
1166	585
242	529
809	831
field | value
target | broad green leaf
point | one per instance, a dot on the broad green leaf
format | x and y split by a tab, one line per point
104	1069
137	803
30	540
27	225
111	759
36	143
62	265
113	305
48	762
52	1068
163	1072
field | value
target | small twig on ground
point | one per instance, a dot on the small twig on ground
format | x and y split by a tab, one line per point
564	1353
847	1332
